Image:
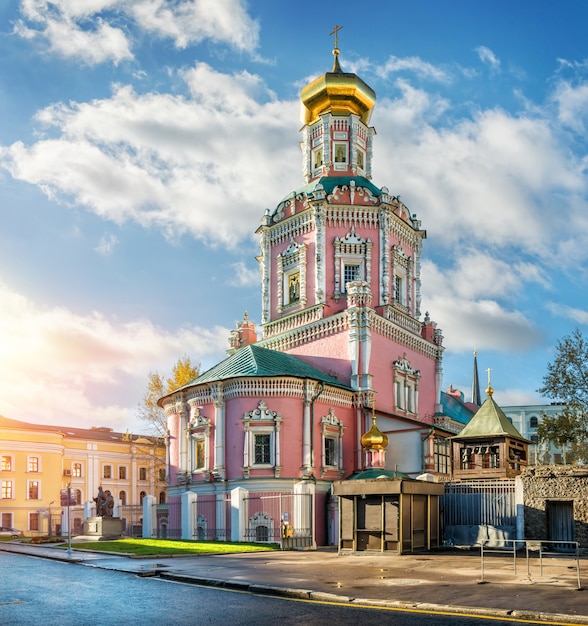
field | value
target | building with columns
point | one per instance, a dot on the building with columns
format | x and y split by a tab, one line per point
257	441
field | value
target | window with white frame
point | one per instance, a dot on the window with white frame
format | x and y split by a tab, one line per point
33	490
122	472
7	492
441	454
262	439
142	473
352	261
317	158
199	429
406	386
291	276
360	159
6	519
332	448
76	470
33	464
107	471
7	463
402	268
339	152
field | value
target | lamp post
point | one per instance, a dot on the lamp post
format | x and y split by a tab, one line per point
49	521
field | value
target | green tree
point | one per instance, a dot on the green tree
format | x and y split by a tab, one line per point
182	373
567	381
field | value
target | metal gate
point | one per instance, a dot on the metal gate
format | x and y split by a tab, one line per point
212	518
560	524
476	512
283	517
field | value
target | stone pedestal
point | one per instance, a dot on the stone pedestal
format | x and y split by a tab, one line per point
103	527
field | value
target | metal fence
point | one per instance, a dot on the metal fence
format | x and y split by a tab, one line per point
477	512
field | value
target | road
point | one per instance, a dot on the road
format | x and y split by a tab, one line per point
34	590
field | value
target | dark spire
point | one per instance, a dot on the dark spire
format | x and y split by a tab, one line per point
476	395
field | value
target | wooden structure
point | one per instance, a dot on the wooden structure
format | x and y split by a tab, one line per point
388	514
489	446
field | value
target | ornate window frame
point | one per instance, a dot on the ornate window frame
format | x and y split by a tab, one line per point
198	431
401	285
406	387
351	250
292	264
261	421
332	430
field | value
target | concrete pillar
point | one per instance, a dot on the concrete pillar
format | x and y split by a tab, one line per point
238	513
188	514
149	514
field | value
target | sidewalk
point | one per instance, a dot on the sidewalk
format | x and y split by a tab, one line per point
447	581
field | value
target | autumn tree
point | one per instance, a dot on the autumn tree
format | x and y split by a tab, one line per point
182	373
567	381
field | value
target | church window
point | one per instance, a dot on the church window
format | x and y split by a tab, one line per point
332	435
533	422
199	430
360	160
351	273
292	276
441	454
262	449
262	439
406	386
318	158
340	150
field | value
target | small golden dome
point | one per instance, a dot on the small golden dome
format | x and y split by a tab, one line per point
374	439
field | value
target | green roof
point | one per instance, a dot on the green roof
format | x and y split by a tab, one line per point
490	419
329	183
255	361
377	472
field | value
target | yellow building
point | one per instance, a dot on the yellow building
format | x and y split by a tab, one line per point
38	461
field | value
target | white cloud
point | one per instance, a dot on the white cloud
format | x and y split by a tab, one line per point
488	57
181	164
107	244
244	276
57	366
86	31
580	316
413	65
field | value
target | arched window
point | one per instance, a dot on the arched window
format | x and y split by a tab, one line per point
162	497
123	497
142	496
533	422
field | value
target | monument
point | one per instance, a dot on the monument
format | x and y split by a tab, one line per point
103	525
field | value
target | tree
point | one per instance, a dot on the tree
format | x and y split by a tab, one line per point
182	373
567	381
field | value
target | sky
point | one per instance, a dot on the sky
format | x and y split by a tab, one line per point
142	140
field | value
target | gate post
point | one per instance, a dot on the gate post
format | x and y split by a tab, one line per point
238	513
189	498
304	513
520	507
148	516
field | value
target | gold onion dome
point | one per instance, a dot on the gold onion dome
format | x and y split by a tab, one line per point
337	92
374	439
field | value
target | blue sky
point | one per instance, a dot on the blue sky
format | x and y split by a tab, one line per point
142	140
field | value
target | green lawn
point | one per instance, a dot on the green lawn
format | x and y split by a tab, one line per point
162	547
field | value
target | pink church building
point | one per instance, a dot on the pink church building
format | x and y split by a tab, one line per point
256	442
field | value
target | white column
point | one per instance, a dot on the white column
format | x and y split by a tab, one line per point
188	522
148	516
238	513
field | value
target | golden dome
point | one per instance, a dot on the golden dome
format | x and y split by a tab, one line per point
374	439
337	92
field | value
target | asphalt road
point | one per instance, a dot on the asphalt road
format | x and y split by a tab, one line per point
34	591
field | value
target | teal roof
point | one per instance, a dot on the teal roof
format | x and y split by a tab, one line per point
376	472
255	361
490	419
330	182
455	409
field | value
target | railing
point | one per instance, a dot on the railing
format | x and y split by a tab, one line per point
535	549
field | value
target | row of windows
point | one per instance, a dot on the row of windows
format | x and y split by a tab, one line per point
340	155
7	464
33	490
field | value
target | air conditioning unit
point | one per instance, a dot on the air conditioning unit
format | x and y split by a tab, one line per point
67	472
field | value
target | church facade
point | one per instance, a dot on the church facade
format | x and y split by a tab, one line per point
256	442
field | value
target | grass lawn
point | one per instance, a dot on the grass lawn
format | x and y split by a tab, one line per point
163	547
